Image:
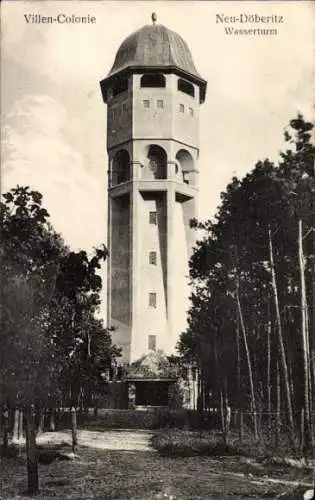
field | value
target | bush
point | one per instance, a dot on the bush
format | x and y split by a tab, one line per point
176	443
185	443
149	418
175	396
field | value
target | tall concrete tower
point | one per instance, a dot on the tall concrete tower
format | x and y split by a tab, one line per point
153	93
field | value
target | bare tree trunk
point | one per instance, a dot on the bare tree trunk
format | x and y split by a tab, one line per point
5	430
260	419
278	410
281	343
238	361
222	412
203	391
52	426
291	380
239	383
220	390
219	385
40	428
200	407
305	343
16	425
269	373
74	429
310	385
227	414
32	465
95	409
312	368
249	364
302	430
312	356
241	427
20	432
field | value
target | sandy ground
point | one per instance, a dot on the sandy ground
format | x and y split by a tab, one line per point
121	464
124	440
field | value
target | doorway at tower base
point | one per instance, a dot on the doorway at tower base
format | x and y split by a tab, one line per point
160	381
151	380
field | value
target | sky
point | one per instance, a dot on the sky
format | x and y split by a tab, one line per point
54	120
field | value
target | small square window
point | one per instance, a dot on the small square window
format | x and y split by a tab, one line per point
146	103
152	299
153	218
152	258
152	342
191	111
160	103
182	108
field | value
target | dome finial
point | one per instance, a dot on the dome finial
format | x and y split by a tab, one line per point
154	17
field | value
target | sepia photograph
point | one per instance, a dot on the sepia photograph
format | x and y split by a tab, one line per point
157	245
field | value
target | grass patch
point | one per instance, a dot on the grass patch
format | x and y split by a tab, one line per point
104	474
177	443
182	443
100	474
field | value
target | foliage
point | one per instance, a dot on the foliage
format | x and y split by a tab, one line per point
152	365
29	253
50	339
232	261
182	442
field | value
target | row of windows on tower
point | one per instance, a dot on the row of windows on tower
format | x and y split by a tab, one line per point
152	259
151	80
147	104
152	295
160	104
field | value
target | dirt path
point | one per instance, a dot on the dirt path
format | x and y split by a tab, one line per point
120	440
140	440
122	465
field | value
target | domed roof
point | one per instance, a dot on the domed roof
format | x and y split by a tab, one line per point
157	46
154	48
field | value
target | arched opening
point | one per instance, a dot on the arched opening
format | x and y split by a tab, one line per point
156	162
186	163
153	80
186	87
119	86
121	167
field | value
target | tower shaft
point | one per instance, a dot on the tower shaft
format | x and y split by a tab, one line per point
152	144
